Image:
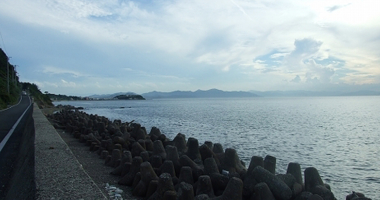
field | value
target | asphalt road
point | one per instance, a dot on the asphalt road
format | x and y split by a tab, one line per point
9	117
17	151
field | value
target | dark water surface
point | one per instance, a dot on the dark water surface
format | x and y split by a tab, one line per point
339	136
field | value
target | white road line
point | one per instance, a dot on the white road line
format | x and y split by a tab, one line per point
5	140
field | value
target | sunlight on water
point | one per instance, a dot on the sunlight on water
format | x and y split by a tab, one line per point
337	135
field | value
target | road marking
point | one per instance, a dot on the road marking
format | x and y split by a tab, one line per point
12	105
5	140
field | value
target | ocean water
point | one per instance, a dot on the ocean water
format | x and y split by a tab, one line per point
339	136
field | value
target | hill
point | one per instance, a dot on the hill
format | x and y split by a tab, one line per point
213	93
9	82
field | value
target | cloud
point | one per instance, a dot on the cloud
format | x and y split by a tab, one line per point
296	79
336	7
163	44
57	71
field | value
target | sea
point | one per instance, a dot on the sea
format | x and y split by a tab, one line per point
339	136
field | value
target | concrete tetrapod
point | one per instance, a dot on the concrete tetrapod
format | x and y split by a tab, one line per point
164	184
233	190
147	175
279	189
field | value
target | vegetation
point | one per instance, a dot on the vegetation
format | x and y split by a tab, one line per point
9	82
42	100
61	97
130	97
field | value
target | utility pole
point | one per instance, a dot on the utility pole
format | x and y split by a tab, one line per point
8	75
14	74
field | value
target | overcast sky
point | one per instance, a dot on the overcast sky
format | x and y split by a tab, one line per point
85	47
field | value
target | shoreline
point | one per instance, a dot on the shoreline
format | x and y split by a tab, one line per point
138	133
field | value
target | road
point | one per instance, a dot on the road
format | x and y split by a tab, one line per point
10	116
17	150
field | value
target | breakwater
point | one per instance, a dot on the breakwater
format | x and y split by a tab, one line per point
159	168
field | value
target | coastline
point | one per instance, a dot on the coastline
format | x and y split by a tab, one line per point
97	145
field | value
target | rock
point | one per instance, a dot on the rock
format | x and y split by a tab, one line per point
279	189
356	196
295	170
170	195
185	191
270	164
262	192
312	178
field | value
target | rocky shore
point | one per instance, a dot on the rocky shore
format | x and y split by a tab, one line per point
156	167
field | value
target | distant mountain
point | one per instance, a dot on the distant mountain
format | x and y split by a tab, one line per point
213	93
303	93
110	96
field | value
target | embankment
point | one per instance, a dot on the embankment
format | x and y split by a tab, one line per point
159	168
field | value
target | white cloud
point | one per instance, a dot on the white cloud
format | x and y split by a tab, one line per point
57	70
228	35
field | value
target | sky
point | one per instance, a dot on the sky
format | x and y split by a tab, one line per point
84	47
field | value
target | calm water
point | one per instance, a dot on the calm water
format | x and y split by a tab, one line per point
339	136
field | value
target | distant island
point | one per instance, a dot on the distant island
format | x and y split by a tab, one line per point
130	97
116	96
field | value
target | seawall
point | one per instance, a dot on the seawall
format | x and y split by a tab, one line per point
58	174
